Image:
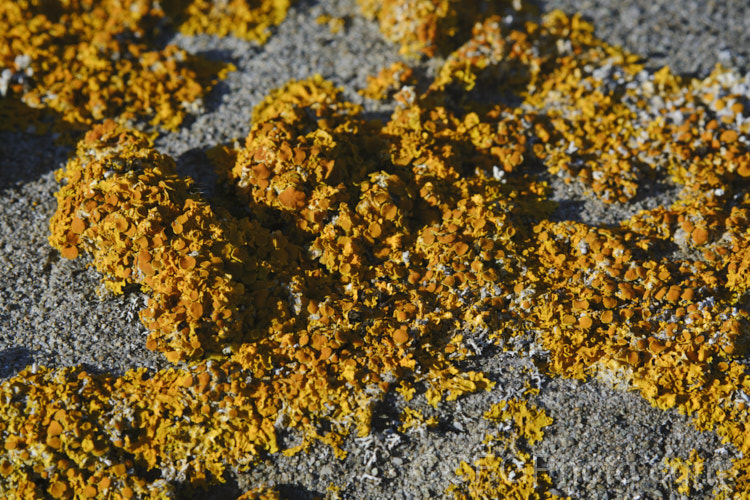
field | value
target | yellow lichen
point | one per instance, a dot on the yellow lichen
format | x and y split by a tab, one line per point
415	421
388	81
686	471
529	421
431	26
361	257
88	61
335	24
507	471
248	19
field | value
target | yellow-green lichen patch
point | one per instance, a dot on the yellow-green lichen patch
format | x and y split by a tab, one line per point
507	471
89	61
248	19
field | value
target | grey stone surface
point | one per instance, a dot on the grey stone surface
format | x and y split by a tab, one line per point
690	36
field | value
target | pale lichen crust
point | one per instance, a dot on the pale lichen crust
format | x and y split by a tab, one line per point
352	258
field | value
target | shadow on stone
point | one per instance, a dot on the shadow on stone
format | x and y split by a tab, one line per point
13	360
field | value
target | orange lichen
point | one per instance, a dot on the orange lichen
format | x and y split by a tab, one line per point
248	19
217	281
388	81
431	26
89	61
262	493
142	224
365	257
506	471
106	432
633	302
687	471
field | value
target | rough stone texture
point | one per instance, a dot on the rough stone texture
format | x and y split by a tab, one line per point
690	36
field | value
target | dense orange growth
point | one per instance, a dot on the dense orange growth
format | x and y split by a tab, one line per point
431	27
142	224
361	257
248	19
89	61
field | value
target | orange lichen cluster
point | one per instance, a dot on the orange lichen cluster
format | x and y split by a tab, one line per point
687	471
67	433
125	205
600	119
248	19
260	494
319	322
88	61
506	471
431	27
301	154
388	81
618	302
602	304
365	257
